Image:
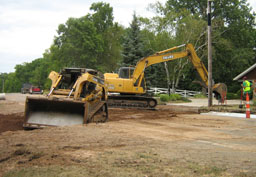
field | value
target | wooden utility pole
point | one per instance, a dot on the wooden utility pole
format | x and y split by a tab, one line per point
209	54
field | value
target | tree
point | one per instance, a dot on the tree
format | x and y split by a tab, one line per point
133	49
92	41
233	34
77	44
3	77
111	34
102	16
233	40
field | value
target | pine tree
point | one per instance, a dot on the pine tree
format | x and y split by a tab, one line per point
133	44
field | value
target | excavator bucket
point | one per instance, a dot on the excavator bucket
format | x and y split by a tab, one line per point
220	90
41	112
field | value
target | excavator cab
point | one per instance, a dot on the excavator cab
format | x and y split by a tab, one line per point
125	72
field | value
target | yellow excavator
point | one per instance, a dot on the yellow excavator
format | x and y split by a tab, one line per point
77	96
128	86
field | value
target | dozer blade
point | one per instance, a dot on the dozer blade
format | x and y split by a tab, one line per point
41	112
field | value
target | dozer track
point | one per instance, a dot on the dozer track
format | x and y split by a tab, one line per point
131	101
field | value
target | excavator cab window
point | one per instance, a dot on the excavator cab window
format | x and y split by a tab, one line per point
125	72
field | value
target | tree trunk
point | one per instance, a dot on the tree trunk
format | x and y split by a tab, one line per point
168	78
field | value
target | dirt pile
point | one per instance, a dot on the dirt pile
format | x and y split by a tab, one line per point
11	122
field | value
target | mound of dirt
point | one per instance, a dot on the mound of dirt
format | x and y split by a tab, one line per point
11	122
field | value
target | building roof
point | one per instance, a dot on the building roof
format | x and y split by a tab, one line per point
241	75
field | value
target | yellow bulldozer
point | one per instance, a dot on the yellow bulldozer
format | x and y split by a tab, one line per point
77	96
129	86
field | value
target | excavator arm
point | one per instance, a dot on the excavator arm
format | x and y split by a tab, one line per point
220	89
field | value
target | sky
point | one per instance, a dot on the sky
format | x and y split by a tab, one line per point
28	27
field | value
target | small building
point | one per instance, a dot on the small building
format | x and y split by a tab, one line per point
250	73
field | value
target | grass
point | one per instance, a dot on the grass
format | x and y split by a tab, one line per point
122	164
205	170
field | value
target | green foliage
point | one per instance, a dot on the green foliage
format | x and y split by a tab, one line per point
231	96
157	95
102	16
200	96
12	83
91	41
133	44
77	43
164	97
233	34
172	97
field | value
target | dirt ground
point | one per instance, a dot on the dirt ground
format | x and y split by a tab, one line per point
161	142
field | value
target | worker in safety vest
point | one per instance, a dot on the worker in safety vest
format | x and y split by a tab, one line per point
246	86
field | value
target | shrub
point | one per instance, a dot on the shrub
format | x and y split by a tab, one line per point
232	96
174	97
164	97
200	96
157	95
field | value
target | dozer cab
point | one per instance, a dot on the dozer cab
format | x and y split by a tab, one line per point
77	96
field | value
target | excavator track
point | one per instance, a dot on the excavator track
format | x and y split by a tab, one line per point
132	101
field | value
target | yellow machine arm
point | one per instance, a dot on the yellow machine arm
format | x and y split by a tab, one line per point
167	55
55	77
94	92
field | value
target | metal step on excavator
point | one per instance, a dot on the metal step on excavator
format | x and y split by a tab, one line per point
77	96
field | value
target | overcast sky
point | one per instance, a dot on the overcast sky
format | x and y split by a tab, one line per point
27	27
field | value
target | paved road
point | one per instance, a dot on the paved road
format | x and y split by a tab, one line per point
198	102
17	97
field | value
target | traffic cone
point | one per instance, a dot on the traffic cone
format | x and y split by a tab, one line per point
247	106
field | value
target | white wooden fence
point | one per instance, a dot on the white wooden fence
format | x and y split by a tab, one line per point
183	93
